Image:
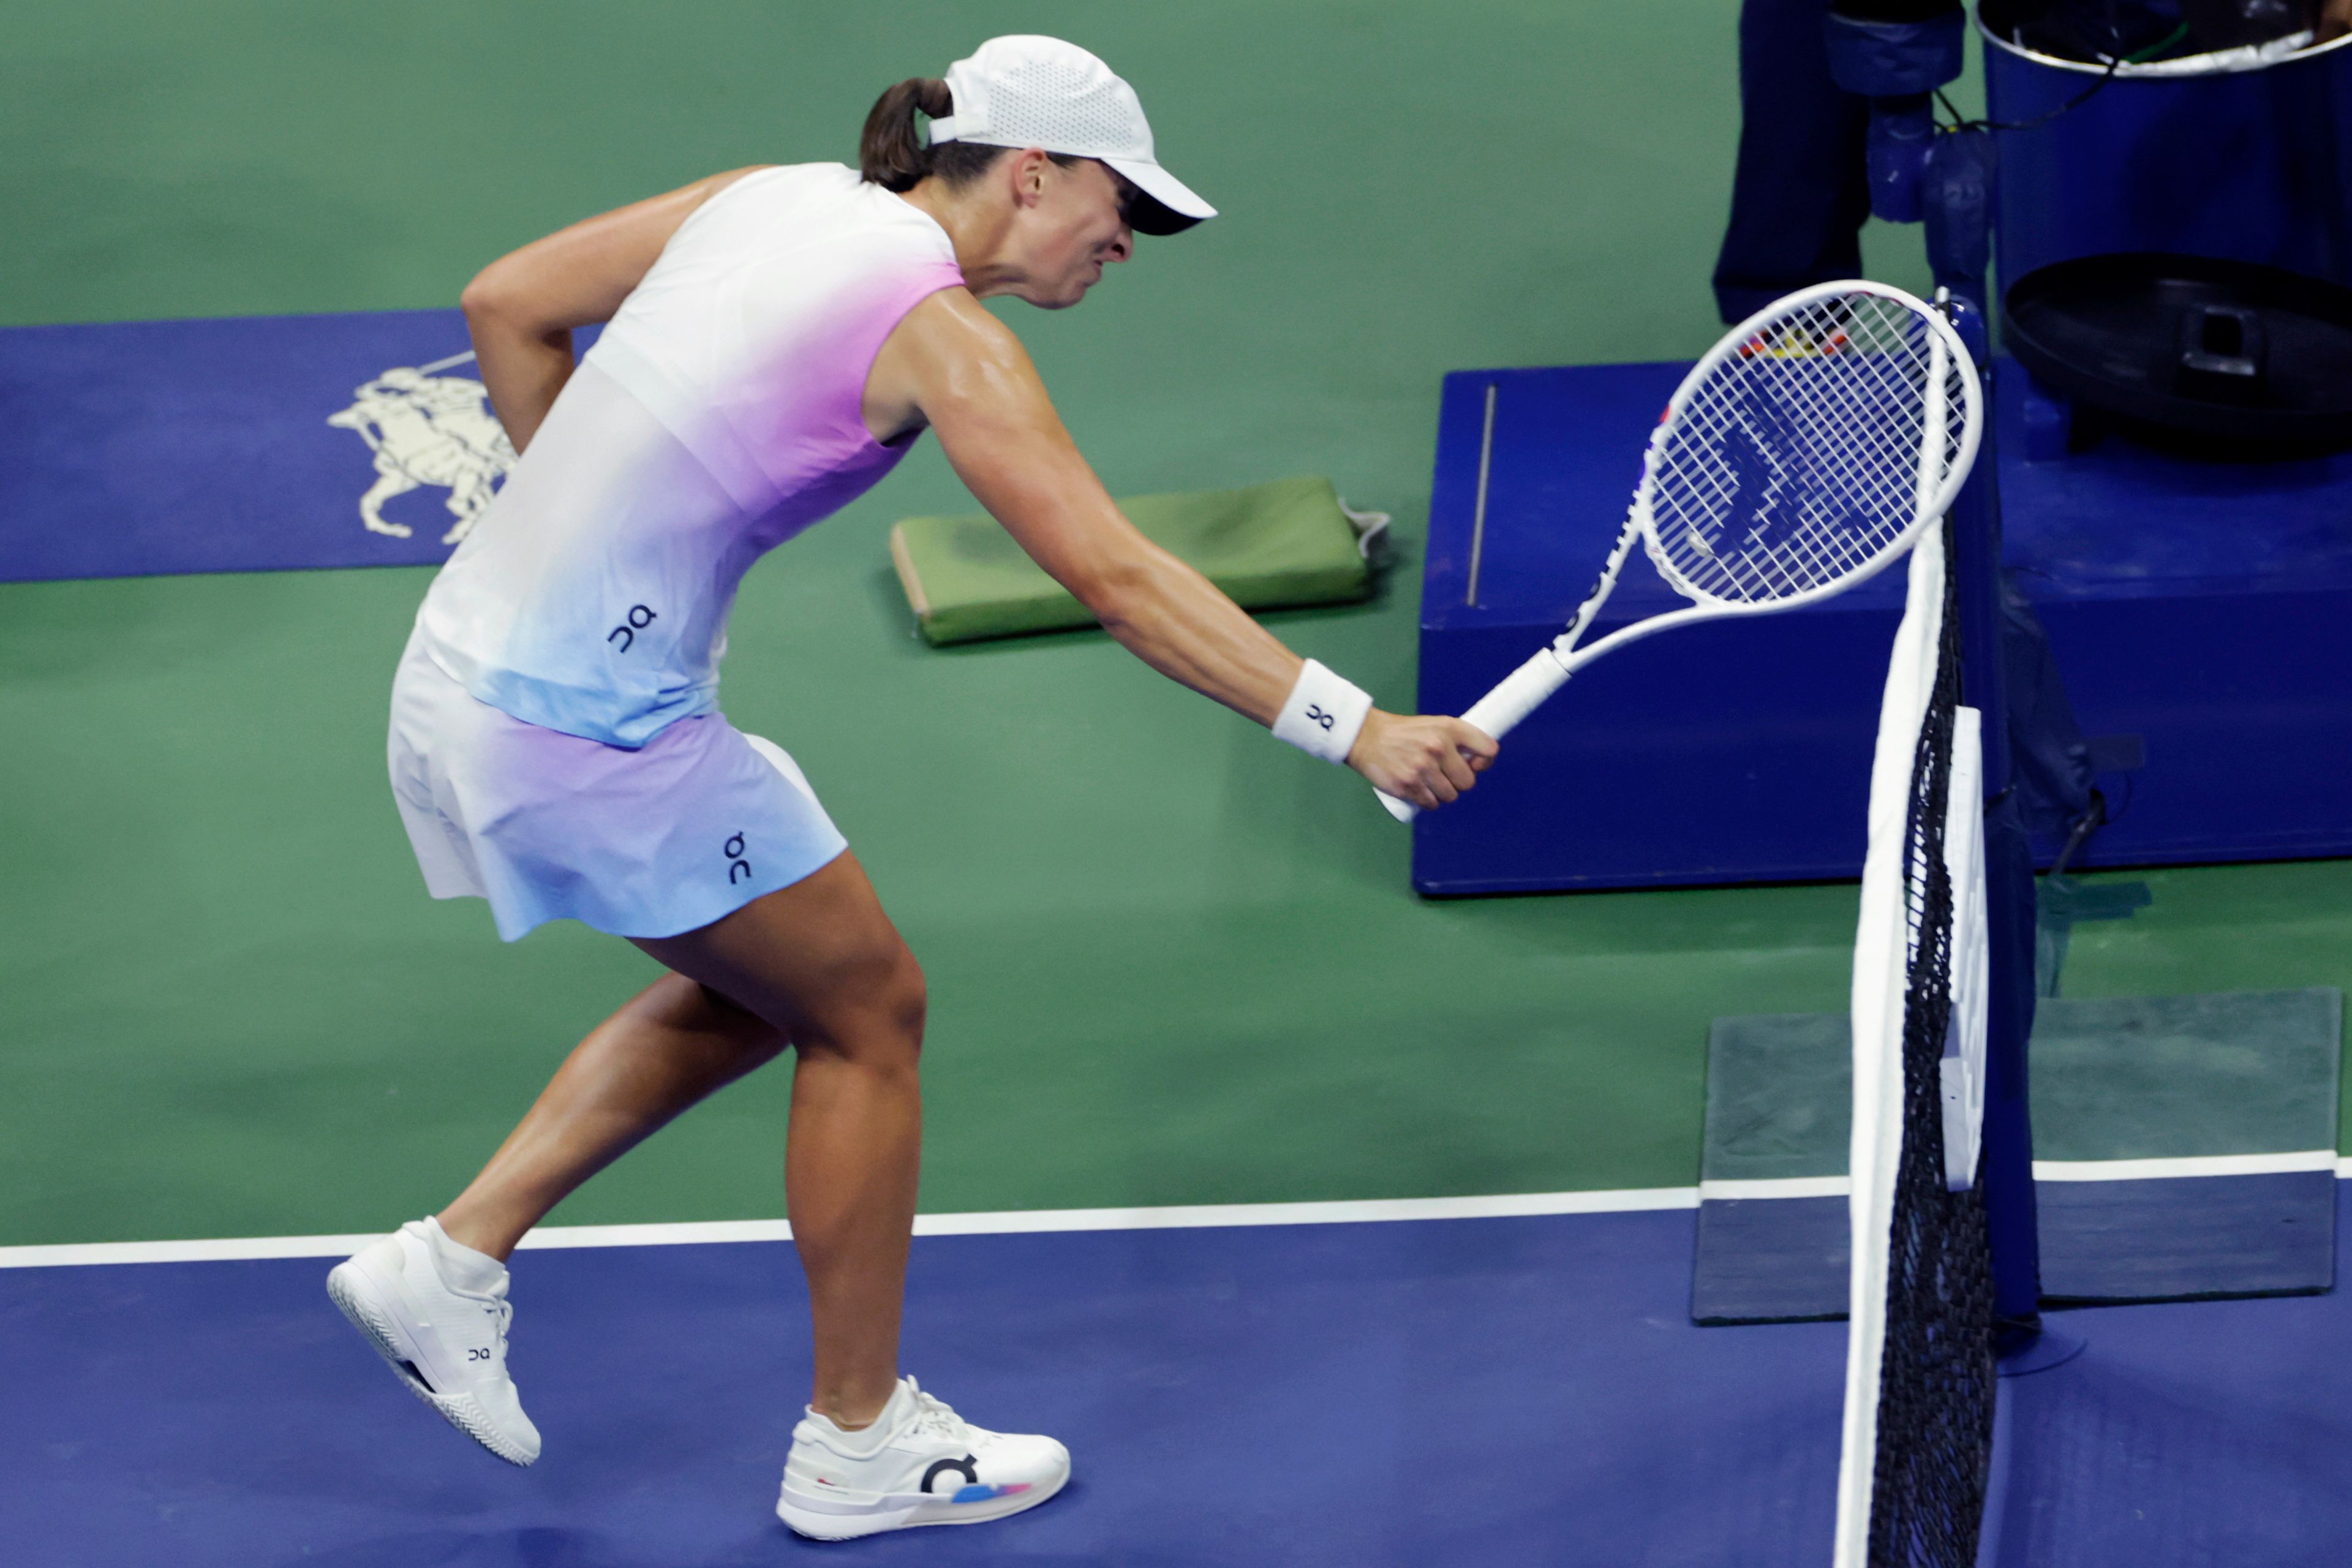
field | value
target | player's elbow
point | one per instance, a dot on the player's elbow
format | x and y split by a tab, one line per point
490	298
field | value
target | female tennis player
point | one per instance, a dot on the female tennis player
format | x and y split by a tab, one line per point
778	337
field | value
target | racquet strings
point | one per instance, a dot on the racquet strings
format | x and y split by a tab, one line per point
1803	456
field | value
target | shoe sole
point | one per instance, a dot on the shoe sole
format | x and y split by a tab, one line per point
348	1290
818	1526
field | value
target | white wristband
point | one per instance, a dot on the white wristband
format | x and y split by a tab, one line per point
1323	714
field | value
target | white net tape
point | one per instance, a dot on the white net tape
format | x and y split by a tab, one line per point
1803	456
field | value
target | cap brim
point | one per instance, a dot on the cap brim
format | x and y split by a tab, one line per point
1167	205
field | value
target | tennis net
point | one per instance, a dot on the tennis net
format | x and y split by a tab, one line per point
1919	1369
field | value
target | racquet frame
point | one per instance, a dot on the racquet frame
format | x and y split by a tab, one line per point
1523	690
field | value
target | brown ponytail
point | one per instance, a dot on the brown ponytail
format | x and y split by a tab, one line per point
892	153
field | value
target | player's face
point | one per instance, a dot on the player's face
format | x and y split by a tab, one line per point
1070	230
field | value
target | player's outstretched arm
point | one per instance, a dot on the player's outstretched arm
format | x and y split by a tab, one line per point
962	370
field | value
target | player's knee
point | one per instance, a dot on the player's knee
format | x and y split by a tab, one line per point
905	1004
874	1013
890	1032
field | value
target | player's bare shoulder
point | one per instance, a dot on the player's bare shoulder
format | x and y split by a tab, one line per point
947	350
952	327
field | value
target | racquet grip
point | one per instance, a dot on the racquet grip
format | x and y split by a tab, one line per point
1520	693
1499	712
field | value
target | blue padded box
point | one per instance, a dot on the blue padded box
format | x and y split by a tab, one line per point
2201	612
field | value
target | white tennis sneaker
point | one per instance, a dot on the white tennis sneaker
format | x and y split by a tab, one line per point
448	1344
919	1463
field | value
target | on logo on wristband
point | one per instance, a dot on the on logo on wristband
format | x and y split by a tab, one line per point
1323	715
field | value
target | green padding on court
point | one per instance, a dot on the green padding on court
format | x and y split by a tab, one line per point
2114	1077
1269	546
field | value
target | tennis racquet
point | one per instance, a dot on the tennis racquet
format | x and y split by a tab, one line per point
1807	450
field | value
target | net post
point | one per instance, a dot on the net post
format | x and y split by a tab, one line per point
2006	1172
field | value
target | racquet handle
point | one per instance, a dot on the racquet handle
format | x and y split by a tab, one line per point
1499	712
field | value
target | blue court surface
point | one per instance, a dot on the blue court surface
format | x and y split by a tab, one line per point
1489	1391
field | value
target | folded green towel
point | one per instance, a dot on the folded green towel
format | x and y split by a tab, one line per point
1292	541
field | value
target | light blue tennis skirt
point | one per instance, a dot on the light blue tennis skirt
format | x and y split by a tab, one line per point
546	826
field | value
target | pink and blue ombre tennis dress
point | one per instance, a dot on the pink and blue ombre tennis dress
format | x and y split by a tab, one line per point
556	742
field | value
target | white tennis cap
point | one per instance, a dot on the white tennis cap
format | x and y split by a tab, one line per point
1024	91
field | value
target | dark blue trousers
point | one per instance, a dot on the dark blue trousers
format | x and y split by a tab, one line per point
1801	193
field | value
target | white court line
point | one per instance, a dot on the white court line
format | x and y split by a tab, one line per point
2191	1165
1015	1221
2062	1170
1776	1187
1008	1222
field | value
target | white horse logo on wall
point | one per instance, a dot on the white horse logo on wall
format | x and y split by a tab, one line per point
429	429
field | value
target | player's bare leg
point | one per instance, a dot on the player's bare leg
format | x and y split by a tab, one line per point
817	965
671	1045
820	962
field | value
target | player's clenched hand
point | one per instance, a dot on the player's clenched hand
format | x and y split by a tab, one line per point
1424	757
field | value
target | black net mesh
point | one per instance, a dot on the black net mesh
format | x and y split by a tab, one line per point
1936	1389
